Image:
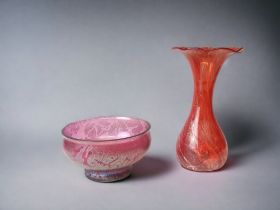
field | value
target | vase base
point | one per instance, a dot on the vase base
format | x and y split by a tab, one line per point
202	168
108	175
197	169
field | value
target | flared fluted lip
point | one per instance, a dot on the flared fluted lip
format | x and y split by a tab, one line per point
209	49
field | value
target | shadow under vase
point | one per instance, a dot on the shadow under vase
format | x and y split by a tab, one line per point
246	136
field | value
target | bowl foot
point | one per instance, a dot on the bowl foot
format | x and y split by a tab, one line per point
108	175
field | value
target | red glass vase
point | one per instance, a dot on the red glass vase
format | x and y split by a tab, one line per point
201	145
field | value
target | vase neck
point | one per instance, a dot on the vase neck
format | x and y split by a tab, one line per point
206	63
205	66
205	71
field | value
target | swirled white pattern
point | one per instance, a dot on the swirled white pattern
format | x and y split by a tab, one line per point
87	142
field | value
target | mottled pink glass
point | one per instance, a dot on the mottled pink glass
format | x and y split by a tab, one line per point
107	147
202	145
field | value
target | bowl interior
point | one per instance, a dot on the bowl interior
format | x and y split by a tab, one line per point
105	128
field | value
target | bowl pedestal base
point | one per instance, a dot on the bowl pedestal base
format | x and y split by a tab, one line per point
108	175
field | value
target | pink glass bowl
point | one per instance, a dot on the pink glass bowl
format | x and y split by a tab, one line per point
107	147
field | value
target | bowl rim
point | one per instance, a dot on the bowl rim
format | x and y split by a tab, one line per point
105	140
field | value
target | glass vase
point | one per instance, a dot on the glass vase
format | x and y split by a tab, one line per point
201	145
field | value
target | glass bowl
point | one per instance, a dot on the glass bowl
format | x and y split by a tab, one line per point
107	147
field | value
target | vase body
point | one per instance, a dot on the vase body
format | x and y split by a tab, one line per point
201	145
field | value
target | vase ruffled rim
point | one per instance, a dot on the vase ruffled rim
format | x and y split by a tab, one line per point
209	49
